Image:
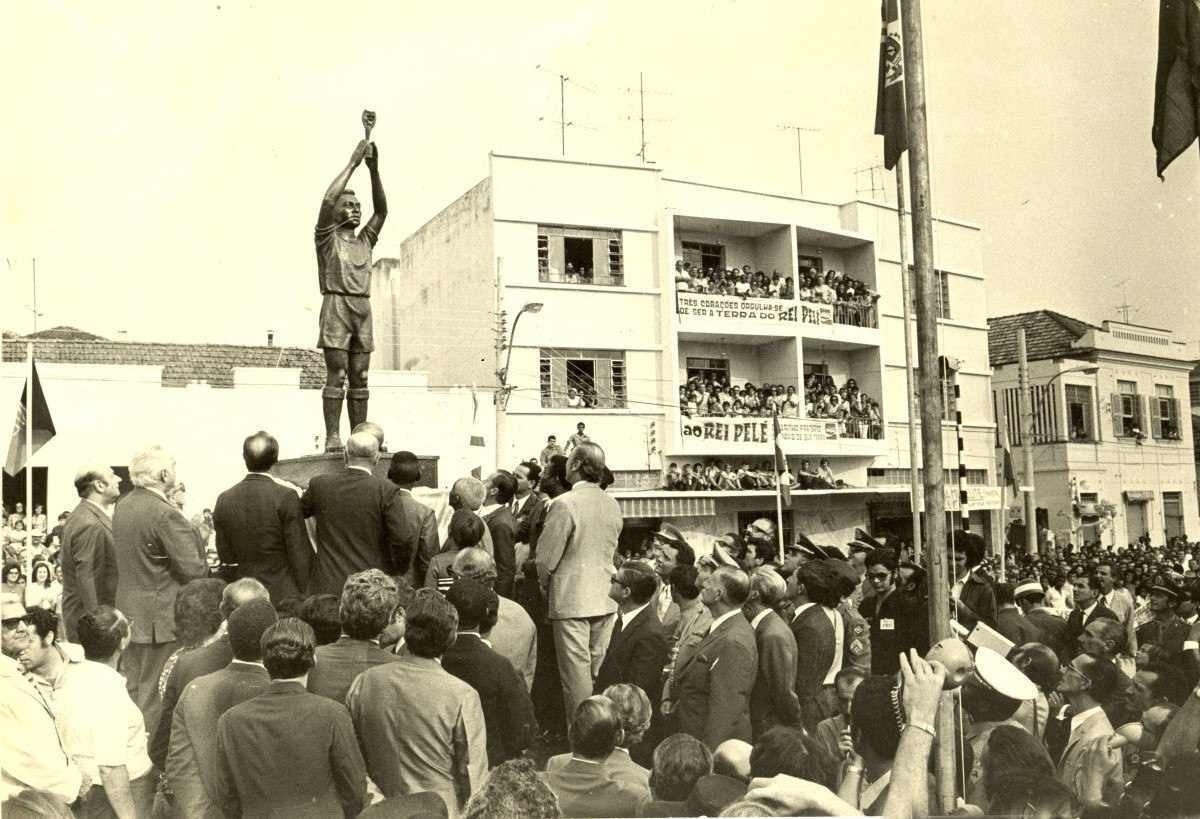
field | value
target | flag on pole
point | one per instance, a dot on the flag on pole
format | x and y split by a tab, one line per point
889	98
1010	474
1177	82
43	426
782	475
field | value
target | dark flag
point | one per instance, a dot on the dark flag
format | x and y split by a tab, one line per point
889	99
782	474
43	426
1177	83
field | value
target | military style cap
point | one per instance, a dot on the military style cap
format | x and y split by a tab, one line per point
670	535
1028	587
1002	676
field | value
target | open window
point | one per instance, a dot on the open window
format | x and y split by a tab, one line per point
575	255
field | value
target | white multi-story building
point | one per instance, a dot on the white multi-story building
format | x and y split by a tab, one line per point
1112	425
580	257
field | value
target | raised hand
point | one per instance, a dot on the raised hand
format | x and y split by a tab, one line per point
360	151
372	157
922	689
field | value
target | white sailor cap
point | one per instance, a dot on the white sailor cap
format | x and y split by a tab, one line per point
1002	676
1028	587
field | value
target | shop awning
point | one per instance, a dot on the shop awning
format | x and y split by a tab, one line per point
667	507
1139	495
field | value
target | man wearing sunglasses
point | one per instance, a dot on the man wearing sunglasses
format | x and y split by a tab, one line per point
892	615
1078	737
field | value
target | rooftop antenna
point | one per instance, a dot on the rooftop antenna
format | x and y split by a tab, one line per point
800	130
873	183
1125	307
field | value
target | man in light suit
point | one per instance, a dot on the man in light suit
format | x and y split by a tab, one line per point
501	487
773	700
89	564
191	764
260	528
1085	764
419	520
360	520
574	555
157	552
820	638
712	689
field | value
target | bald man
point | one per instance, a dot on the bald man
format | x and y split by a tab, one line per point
89	565
360	520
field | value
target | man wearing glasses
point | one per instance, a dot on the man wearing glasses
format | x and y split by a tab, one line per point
891	614
1077	738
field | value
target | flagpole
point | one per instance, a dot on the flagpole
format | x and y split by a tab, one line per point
29	463
914	444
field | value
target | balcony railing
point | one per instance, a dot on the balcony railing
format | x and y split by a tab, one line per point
737	308
598	278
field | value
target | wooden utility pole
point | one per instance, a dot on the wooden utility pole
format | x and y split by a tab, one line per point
1031	539
912	405
932	412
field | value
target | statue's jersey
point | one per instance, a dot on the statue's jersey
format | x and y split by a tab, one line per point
344	261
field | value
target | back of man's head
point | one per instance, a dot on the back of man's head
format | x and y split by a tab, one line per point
1004	594
595	728
405	469
431	624
639	578
513	790
785	750
504	486
466	529
476	604
683	582
735	584
369	599
476	564
679	761
246	626
240	592
768	585
362	447
288	647
371	427
260	451
821	582
872	719
467	493
101	632
586	463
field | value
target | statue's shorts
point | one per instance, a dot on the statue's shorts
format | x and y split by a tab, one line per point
346	323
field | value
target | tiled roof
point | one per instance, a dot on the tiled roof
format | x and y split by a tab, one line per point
66	333
1047	335
181	363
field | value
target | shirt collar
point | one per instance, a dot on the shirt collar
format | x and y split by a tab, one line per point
105	510
758	618
478	637
247	663
359	468
628	616
158	492
487	509
1087	611
719	620
1084	716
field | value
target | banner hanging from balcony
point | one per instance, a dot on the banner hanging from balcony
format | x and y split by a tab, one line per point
699	305
758	430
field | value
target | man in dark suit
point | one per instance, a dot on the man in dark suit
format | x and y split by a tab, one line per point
637	651
587	785
88	563
711	693
820	638
894	620
1010	621
507	709
260	528
191	764
288	752
1088	609
773	700
196	663
360	520
370	603
1030	597
972	588
527	504
501	487
420	522
157	552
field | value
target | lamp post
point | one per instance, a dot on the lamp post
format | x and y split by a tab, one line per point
504	391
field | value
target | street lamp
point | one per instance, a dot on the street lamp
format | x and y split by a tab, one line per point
531	307
1086	369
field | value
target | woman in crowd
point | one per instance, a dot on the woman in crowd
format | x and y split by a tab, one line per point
13	582
43	590
198	621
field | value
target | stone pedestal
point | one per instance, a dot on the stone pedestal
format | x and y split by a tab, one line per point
301	470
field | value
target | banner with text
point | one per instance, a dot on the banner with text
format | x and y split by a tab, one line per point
758	430
700	305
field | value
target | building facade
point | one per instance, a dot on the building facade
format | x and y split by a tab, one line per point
1112	426
579	261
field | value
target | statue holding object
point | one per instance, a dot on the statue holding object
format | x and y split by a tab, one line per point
344	274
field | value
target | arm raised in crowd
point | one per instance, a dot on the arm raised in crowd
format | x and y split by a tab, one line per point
908	792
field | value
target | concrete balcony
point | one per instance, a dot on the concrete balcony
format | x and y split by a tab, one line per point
723	315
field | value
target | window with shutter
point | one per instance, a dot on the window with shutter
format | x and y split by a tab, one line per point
580	255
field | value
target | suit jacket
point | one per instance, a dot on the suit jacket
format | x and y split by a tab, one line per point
514	637
1076	624
421	533
507	709
712	689
89	564
157	552
980	598
587	789
289	753
773	699
339	662
814	651
636	654
191	764
190	666
1017	627
1054	631
530	510
503	526
261	534
902	620
1094	774
692	628
576	549
360	525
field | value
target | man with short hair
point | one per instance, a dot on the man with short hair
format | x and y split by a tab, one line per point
514	636
192	759
1010	622
586	785
680	761
578	437
259	526
670	549
549	450
833	733
45	657
503	695
577	543
420	522
420	727
370	603
895	622
971	589
360	520
820	635
468	494
89	565
712	690
1030	597
773	699
287	752
1167	629
157	552
527	504
501	487
1095	778
638	648
1120	602
1088	609
694	620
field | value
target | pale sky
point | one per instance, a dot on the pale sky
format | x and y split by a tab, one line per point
165	161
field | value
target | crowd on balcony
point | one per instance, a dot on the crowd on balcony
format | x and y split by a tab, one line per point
742	283
833	287
719	475
822	398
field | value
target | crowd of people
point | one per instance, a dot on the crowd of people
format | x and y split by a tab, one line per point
715	474
346	656
830	287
